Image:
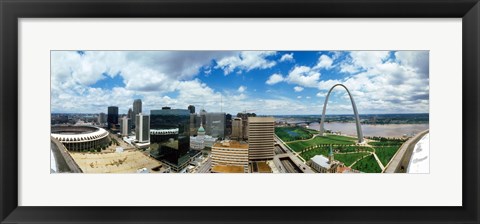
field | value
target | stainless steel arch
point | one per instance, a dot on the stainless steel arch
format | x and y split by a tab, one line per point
355	112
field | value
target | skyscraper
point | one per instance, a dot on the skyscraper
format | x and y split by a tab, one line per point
260	138
102	118
191	108
112	117
193	122
125	126
175	122
245	117
132	118
137	108
142	131
237	130
228	124
215	125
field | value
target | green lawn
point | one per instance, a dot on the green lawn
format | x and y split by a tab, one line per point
350	148
348	159
311	131
288	134
385	154
367	165
322	140
387	143
318	151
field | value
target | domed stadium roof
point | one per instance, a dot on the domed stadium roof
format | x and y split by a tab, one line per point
71	134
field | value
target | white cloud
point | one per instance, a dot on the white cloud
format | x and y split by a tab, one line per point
72	74
392	86
378	83
303	76
324	62
298	88
327	84
415	59
287	57
348	68
321	94
241	89
299	97
246	60
368	59
308	97
274	79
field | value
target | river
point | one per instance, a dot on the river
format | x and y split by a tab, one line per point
386	130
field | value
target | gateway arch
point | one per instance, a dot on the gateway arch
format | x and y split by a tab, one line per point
355	112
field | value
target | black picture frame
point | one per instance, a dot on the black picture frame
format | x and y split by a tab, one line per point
11	11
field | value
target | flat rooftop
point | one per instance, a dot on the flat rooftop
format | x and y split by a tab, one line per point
115	162
261	119
232	144
228	169
260	167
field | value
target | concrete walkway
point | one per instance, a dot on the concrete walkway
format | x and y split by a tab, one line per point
378	161
395	164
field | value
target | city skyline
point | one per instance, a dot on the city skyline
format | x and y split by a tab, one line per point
273	83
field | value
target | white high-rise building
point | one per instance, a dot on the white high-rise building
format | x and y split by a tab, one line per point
142	131
125	126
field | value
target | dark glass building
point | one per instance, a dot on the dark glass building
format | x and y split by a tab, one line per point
170	129
112	117
137	108
215	125
228	125
191	108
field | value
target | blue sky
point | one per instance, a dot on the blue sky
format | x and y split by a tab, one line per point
264	82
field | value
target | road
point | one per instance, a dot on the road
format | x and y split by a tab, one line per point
289	150
122	143
205	167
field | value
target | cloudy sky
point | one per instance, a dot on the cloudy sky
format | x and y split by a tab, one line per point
264	82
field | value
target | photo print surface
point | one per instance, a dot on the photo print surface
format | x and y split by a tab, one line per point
269	112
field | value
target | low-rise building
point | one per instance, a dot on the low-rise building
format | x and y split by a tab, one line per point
230	153
323	164
201	141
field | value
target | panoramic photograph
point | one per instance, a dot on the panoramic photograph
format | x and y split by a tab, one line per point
269	112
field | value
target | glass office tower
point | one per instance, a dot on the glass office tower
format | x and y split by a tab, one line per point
112	117
174	148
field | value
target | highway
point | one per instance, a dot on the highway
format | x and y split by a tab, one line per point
290	168
289	151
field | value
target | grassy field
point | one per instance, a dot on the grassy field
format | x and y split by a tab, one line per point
385	154
388	143
348	159
367	165
288	134
350	148
318	151
322	140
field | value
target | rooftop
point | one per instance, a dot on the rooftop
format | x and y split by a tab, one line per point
261	119
231	144
263	167
120	162
228	169
321	160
